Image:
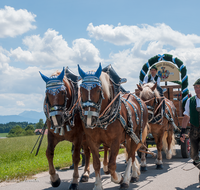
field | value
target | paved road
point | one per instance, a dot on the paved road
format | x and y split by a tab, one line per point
173	176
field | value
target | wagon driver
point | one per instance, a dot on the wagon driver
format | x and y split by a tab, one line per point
192	115
153	77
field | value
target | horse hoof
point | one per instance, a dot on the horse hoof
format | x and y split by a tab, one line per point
134	179
143	168
159	166
84	179
56	183
73	186
124	186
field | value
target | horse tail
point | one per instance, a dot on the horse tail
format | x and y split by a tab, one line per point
169	148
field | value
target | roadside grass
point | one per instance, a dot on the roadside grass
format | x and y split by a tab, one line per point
3	134
16	161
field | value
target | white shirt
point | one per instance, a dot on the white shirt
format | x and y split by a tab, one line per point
152	79
187	106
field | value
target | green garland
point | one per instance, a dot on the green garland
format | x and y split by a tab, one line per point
176	61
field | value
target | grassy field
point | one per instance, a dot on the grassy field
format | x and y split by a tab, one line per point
16	162
3	134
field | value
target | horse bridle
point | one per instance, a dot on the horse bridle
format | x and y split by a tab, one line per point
89	83
151	109
52	111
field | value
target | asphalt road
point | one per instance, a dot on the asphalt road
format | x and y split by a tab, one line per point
178	173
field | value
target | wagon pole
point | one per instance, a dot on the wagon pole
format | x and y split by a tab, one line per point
148	151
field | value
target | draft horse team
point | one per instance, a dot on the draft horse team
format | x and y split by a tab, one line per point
99	111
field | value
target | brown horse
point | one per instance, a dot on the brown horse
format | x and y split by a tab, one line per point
121	122
161	124
64	123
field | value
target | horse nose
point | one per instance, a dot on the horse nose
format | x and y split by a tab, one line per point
59	120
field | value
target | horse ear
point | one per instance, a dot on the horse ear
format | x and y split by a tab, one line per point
139	88
154	86
98	72
61	76
81	72
45	78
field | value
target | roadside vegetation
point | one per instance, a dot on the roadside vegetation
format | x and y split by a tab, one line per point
16	162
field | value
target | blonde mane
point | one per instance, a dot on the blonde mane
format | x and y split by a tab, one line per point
147	92
105	80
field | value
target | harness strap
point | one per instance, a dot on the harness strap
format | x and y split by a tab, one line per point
129	128
110	104
124	125
136	115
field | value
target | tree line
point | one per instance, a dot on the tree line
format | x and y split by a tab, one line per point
20	128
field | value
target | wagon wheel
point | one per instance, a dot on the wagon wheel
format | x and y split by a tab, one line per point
185	148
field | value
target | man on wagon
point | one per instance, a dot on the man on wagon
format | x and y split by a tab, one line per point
192	115
153	77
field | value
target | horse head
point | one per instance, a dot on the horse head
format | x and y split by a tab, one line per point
91	96
149	94
57	99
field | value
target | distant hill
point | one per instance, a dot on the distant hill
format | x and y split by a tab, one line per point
28	116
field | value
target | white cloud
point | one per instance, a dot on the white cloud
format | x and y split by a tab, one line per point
52	50
145	42
20	103
125	35
15	22
14	103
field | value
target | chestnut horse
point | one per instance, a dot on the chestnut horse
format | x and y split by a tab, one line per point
64	123
162	130
121	122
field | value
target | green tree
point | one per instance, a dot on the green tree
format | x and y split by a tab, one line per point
40	124
29	127
29	130
16	131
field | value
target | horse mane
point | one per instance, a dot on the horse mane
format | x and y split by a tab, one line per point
106	85
147	92
65	80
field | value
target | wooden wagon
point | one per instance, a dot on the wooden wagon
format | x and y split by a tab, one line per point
177	92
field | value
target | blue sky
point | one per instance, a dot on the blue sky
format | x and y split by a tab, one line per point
49	35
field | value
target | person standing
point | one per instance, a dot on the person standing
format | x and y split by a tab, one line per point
192	115
153	77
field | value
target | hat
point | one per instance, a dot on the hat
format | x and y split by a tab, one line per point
154	67
197	82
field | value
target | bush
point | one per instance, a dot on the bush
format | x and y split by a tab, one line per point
16	132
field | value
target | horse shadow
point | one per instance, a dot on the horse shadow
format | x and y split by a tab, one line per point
147	176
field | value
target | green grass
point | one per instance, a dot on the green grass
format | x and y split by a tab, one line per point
16	162
3	134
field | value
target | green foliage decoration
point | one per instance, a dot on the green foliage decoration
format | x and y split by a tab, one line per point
182	69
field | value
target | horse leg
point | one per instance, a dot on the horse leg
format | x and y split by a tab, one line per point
158	141
76	160
85	176
52	142
170	145
135	164
132	161
143	160
96	164
105	160
114	149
